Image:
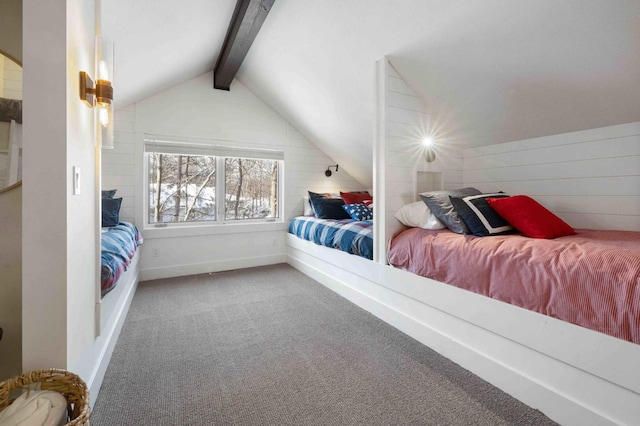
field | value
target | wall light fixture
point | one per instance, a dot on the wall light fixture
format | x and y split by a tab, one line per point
100	93
327	172
429	151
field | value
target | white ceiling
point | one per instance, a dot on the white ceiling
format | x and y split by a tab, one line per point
489	71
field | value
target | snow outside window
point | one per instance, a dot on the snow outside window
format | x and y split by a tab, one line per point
185	184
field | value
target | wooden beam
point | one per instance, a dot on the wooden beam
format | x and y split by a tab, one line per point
247	19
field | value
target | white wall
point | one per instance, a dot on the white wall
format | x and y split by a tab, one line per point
59	239
237	118
591	178
119	163
402	123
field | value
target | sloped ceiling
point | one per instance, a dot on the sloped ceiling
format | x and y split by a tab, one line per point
489	71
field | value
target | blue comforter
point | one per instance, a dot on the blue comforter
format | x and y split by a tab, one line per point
118	246
351	236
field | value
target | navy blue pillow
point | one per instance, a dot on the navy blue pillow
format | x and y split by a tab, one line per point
111	211
478	215
329	208
314	195
108	193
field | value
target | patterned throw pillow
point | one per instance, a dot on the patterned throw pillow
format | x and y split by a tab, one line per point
481	219
358	211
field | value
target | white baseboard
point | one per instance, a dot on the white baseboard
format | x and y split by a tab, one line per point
215	266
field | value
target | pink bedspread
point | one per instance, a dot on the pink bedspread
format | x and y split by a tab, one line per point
591	279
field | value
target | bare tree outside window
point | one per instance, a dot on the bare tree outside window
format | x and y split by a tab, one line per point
182	188
251	189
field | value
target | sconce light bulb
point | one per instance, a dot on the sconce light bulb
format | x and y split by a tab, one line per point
103	71
103	115
428	141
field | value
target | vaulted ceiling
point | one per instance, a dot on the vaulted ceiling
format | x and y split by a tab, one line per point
489	71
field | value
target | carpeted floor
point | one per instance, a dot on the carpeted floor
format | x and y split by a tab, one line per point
270	346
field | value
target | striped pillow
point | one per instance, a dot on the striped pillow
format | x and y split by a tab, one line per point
479	217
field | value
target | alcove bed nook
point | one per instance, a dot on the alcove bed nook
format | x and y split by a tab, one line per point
119	275
574	375
341	221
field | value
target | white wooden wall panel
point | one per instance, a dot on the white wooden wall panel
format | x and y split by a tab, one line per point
119	163
194	110
406	123
604	167
591	178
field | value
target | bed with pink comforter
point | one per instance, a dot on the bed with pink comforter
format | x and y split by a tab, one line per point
591	279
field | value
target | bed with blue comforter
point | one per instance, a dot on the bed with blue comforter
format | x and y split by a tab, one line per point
118	246
351	236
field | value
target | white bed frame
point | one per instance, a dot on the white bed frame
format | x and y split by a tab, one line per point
573	375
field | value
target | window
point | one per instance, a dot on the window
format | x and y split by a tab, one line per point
182	188
251	188
189	183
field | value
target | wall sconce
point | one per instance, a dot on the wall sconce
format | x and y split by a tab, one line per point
100	94
327	172
429	152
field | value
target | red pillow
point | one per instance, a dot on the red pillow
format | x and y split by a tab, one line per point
356	197
529	217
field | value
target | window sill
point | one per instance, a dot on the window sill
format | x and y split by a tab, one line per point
151	232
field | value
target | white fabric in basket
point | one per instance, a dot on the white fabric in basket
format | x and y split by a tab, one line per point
36	408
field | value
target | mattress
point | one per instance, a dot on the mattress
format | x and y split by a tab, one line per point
591	279
351	236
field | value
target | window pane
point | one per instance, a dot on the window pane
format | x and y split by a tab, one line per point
182	188
251	189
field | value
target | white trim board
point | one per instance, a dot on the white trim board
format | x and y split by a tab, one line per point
573	375
214	266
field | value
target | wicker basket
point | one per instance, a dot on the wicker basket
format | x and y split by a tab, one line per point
68	384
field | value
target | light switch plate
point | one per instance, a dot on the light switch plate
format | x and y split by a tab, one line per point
76	180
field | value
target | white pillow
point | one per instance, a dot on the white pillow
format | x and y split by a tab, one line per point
306	203
418	215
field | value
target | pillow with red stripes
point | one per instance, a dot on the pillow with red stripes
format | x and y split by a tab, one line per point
530	217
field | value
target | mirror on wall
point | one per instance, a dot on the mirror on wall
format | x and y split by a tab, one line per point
10	121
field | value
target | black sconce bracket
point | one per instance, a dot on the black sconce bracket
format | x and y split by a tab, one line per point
327	172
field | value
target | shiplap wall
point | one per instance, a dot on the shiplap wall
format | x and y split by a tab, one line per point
406	123
590	178
237	117
119	163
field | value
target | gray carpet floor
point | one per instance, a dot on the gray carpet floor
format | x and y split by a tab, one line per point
270	346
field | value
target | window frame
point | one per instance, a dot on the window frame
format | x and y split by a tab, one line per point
220	224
